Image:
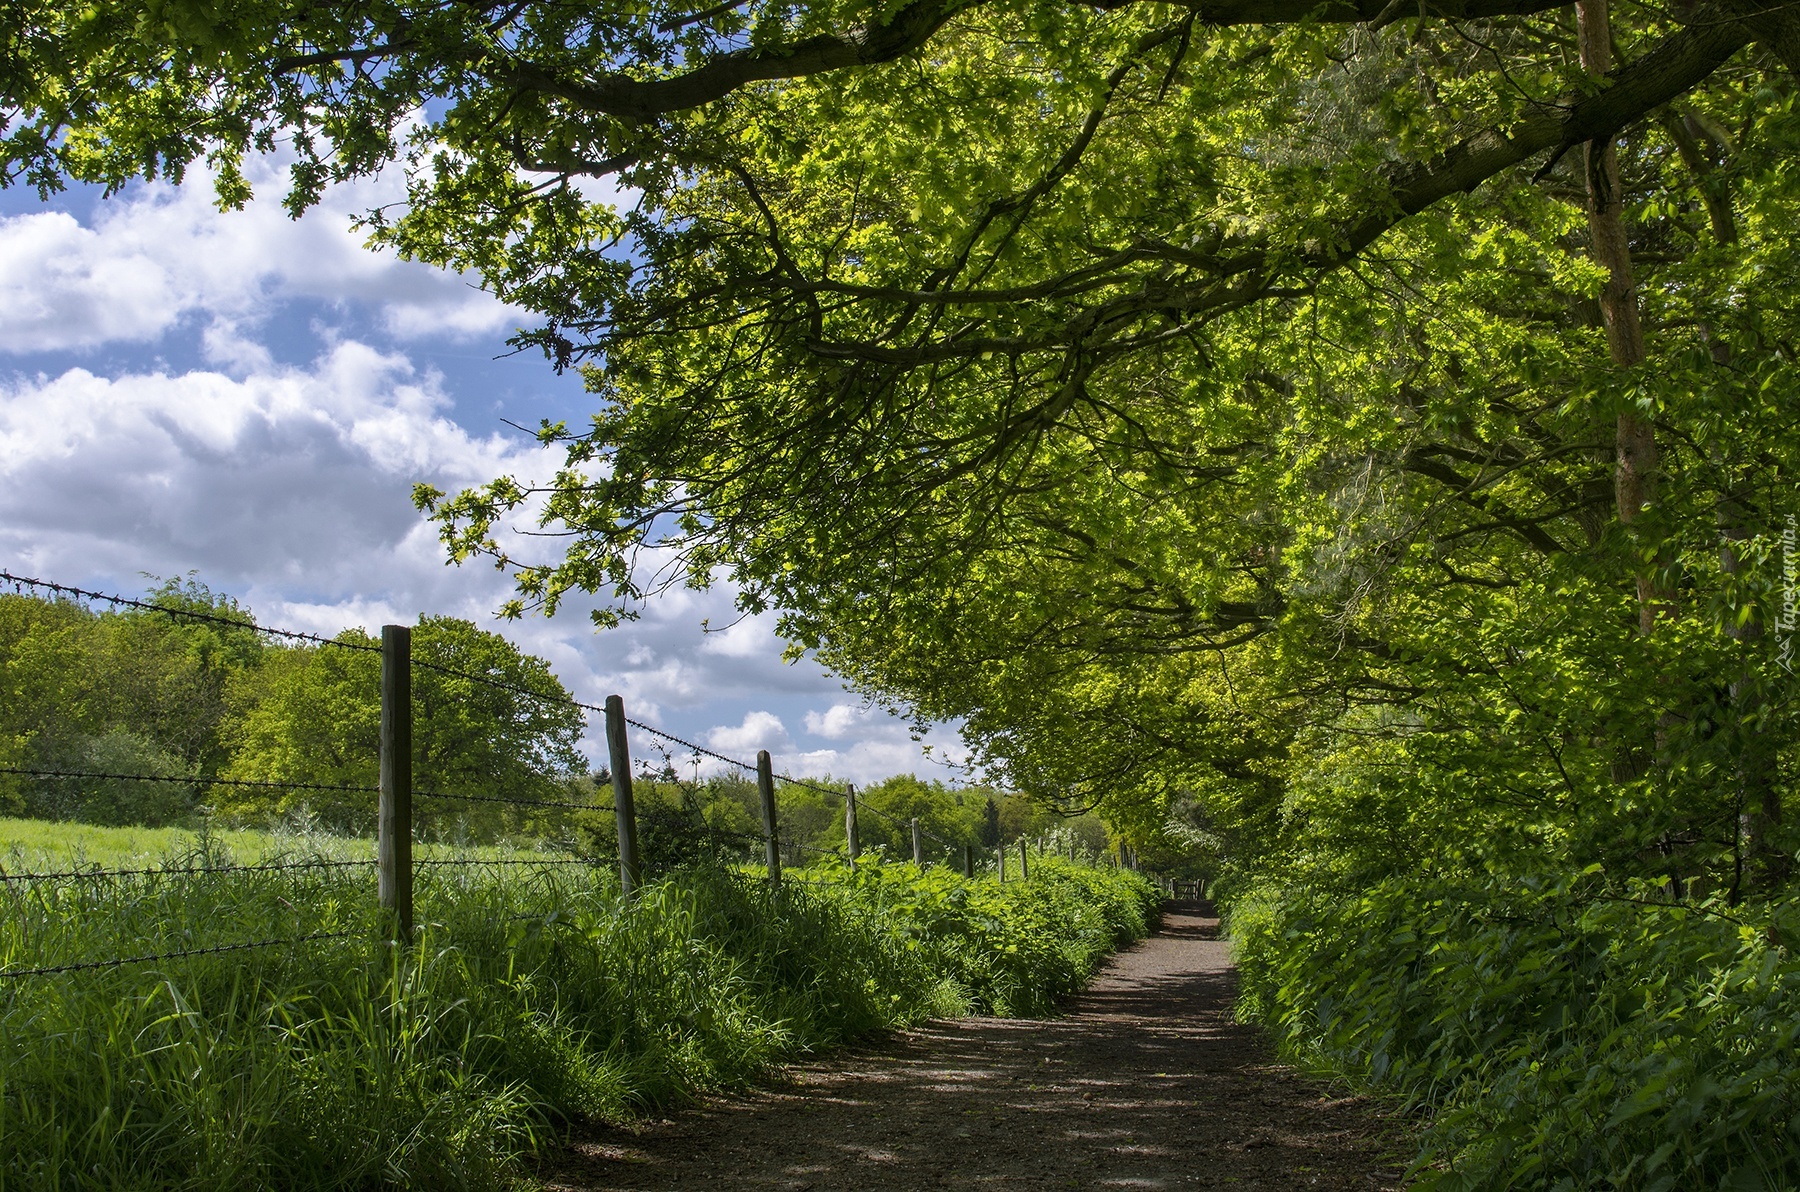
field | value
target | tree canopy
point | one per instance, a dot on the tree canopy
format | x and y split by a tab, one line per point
1361	431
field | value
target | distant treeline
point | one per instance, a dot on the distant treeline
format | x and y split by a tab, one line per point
141	692
679	819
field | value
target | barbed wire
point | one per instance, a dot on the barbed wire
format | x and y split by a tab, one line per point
20	582
174	871
790	842
697	750
589	861
661	734
506	685
510	801
259	783
215	950
691	800
812	786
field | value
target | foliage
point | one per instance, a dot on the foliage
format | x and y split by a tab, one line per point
1566	1037
139	692
81	691
1015	949
688	821
534	997
1352	449
315	717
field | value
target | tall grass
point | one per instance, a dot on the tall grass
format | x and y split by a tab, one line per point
533	997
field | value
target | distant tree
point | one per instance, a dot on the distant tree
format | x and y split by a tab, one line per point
313	715
136	692
164	679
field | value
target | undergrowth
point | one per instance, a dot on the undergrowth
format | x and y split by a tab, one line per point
533	998
1560	1034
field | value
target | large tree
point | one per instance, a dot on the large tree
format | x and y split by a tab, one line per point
1178	393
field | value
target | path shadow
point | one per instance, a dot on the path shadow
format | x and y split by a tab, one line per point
1148	1082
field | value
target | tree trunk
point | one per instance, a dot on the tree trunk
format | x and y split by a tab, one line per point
1635	476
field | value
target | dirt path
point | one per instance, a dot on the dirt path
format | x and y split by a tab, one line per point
1148	1083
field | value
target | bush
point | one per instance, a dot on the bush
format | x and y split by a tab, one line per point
1563	1037
1014	949
114	802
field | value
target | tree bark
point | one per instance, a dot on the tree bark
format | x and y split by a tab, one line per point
1635	473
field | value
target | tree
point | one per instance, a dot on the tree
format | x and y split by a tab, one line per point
990	823
313	715
1297	408
135	692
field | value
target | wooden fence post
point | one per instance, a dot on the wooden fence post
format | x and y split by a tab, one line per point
765	786
968	860
1024	862
393	826
851	839
631	874
1000	859
918	844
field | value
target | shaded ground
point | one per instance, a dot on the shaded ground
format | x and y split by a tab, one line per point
1148	1083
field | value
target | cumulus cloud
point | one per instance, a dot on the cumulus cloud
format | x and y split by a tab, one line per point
162	254
293	473
760	730
839	721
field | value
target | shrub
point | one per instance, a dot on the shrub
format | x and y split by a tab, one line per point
1562	1036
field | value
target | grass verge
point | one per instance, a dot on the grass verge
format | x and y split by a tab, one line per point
534	997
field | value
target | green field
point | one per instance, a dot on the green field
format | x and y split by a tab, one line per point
28	845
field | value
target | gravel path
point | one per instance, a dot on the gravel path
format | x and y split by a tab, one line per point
1148	1083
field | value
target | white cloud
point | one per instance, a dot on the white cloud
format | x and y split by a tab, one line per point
760	730
59	289
163	253
739	636
297	474
839	721
879	757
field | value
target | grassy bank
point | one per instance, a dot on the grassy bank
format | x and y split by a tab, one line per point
1561	1034
535	997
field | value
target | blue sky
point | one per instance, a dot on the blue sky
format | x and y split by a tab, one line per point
251	398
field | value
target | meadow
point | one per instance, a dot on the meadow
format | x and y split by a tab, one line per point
33	845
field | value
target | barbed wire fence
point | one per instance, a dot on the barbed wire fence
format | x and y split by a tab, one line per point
400	808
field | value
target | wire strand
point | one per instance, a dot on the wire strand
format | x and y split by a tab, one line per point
20	582
509	861
259	783
174	871
663	734
215	950
511	801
